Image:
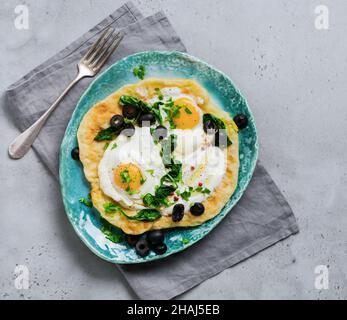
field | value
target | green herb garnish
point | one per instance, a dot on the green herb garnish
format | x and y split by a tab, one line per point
187	110
151	172
106	134
203	190
186	194
145	107
108	230
125	177
129	191
139	72
106	146
219	124
114	146
185	240
158	92
159	197
86	202
143	180
142	215
168	108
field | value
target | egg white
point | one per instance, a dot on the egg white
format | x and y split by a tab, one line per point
187	140
140	150
206	167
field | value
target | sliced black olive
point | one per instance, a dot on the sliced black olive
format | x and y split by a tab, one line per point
128	130
75	153
160	248
197	209
241	120
130	111
155	237
117	121
142	248
209	127
146	119
221	138
132	239
160	133
177	212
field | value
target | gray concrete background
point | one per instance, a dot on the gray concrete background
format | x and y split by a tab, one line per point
294	77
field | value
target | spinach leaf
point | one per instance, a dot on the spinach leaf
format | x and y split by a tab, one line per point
219	124
159	198
108	230
142	215
143	106
106	134
146	215
150	201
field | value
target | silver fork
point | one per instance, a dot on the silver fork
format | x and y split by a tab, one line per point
88	66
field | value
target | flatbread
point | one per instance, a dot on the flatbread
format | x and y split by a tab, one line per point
91	152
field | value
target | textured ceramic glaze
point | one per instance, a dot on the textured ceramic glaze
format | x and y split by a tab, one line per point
86	221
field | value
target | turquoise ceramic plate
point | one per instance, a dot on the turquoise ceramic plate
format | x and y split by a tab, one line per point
86	220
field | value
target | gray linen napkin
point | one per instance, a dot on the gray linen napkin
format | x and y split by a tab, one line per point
261	218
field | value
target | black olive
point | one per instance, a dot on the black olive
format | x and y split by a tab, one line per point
75	153
155	237
177	212
209	126
132	239
220	138
160	248
130	111
160	133
117	121
128	130
142	248
145	119
197	209
241	120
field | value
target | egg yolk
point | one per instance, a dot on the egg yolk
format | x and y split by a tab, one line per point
128	177
187	116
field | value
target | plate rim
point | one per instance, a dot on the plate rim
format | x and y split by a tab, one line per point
61	163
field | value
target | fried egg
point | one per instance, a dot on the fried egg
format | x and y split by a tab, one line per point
130	168
187	120
202	172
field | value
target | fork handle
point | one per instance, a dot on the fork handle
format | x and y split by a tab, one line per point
21	145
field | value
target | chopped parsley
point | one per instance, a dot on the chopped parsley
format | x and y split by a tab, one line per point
108	231
151	172
187	110
186	193
143	180
176	111
139	72
203	190
114	146
158	92
106	146
86	201
142	215
125	177
185	240
170	112
129	191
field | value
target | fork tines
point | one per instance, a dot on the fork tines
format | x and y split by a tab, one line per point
99	52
